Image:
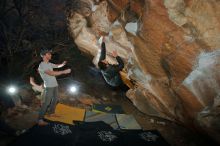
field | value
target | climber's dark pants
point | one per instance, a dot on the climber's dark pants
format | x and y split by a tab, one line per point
50	98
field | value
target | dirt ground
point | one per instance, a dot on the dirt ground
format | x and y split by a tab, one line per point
23	117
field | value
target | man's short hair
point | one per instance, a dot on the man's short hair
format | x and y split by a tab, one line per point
44	51
102	65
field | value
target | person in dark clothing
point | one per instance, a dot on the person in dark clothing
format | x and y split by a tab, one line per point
35	79
110	72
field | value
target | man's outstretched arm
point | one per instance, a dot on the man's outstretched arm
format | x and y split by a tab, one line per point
58	65
103	51
57	73
32	81
120	65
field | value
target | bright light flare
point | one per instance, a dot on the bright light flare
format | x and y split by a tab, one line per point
12	90
73	89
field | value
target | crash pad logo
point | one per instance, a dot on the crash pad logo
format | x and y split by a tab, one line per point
108	108
106	136
61	129
148	136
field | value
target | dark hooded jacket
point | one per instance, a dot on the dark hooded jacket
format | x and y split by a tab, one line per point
111	72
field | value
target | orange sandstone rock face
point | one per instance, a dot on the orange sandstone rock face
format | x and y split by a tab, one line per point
170	49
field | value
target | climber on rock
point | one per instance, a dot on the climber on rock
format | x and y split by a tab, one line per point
50	95
111	72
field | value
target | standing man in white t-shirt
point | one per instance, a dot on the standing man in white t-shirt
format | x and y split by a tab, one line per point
50	95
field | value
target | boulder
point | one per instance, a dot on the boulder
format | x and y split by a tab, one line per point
170	50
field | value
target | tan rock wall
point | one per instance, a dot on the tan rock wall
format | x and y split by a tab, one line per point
172	56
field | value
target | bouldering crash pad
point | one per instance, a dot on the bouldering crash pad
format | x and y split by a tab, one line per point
67	114
127	122
107	108
109	119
